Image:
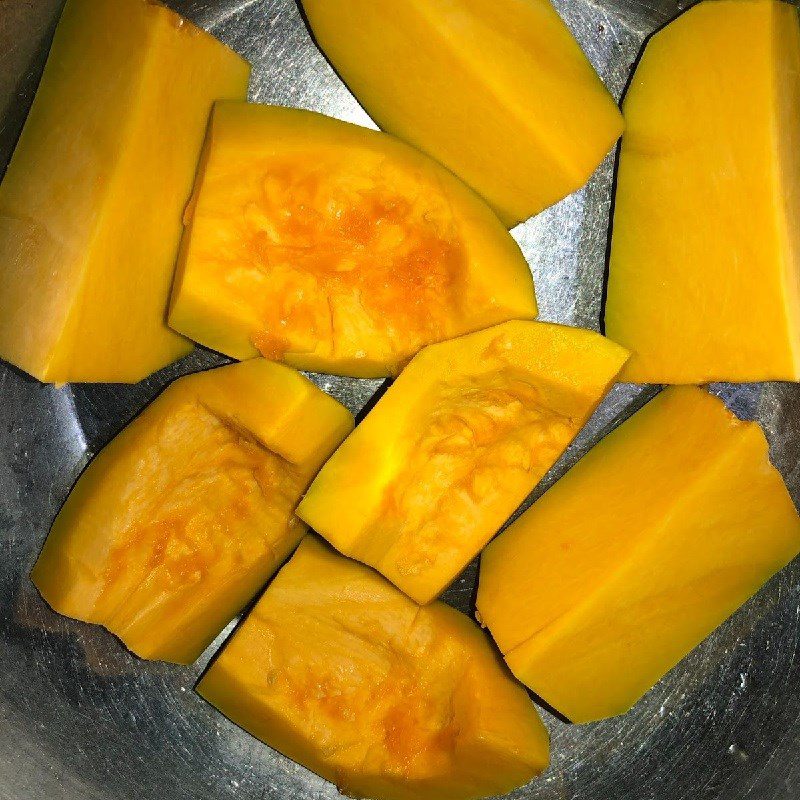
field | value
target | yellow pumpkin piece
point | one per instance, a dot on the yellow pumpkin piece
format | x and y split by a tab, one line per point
704	282
648	544
179	522
335	248
90	208
455	445
341	672
498	91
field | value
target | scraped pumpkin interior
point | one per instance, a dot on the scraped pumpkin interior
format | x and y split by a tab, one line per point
335	248
474	439
197	514
455	445
340	671
182	518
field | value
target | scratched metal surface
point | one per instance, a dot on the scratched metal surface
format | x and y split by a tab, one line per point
81	719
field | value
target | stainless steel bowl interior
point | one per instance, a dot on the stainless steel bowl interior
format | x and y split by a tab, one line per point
81	719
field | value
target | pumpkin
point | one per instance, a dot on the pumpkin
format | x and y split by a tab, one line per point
182	518
704	283
649	543
341	672
455	445
91	204
334	248
498	91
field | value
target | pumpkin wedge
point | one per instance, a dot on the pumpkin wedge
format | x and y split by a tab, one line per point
182	518
704	278
90	208
499	91
341	672
658	535
455	445
335	248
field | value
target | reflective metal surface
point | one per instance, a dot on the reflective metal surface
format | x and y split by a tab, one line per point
81	719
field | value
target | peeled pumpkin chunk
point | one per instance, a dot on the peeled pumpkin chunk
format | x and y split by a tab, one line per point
335	248
498	91
655	538
183	517
90	208
455	445
704	282
341	672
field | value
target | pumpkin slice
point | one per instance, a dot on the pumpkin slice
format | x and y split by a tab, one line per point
455	445
335	248
341	672
90	208
704	277
497	90
179	521
649	543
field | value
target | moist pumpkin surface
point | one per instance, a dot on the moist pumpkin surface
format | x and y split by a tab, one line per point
181	519
340	671
455	445
336	248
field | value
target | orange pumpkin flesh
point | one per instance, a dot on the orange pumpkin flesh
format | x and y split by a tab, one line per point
336	248
357	254
455	445
183	517
496	90
90	207
704	283
338	670
650	542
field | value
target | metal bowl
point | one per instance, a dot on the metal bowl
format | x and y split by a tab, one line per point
82	719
